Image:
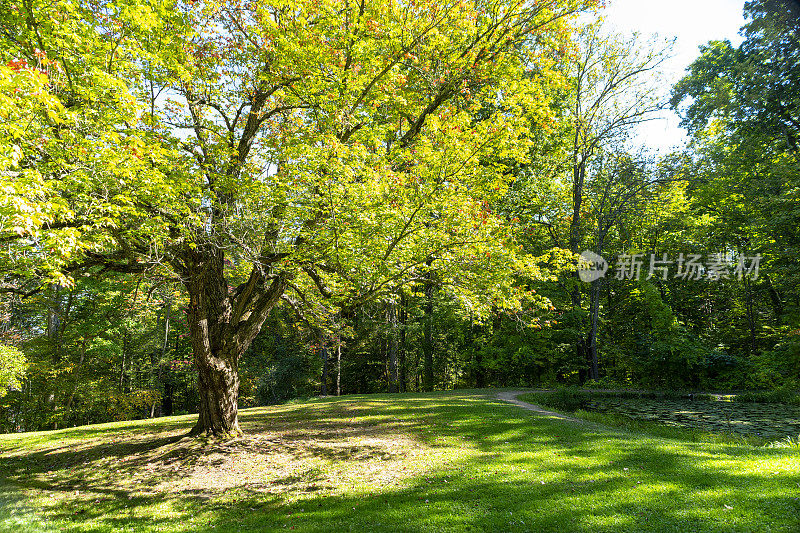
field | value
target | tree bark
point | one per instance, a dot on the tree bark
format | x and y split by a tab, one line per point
218	389
401	357
427	343
391	319
323	387
222	322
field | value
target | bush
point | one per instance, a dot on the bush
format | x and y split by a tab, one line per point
566	399
289	377
12	368
609	383
785	395
627	394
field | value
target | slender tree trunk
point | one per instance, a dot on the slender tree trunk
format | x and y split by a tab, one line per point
169	383
323	387
578	179
383	352
477	359
581	348
56	323
56	326
751	319
609	312
124	360
427	344
126	344
469	348
76	381
591	342
167	327
401	358
167	402
594	313
348	316
163	368
391	319
777	301
338	366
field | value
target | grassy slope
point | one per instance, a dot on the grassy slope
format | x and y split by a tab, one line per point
438	462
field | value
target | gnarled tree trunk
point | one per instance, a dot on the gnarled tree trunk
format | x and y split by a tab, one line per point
223	321
218	387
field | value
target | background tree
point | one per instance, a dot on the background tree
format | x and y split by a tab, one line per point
744	120
612	87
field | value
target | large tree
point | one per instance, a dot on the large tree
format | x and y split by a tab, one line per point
742	107
268	149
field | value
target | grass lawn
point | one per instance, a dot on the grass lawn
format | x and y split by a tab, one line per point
456	461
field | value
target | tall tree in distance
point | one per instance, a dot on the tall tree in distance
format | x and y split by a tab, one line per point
742	109
612	87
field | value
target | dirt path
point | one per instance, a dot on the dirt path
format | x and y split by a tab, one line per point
511	397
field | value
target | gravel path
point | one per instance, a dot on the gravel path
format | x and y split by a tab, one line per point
511	397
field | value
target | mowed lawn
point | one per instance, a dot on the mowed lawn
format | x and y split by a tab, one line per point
460	461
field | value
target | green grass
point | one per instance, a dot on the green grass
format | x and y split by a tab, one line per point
458	461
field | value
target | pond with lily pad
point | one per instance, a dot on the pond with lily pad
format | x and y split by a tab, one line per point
768	421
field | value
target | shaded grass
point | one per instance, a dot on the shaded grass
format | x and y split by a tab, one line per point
459	461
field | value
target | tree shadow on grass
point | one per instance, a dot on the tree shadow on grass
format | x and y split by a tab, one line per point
519	472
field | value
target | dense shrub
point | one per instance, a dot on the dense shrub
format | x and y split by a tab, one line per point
566	399
785	395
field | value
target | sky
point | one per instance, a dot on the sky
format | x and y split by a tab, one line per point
692	22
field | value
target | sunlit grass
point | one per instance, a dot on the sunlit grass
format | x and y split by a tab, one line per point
459	461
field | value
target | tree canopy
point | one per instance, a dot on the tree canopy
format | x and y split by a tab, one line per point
295	196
